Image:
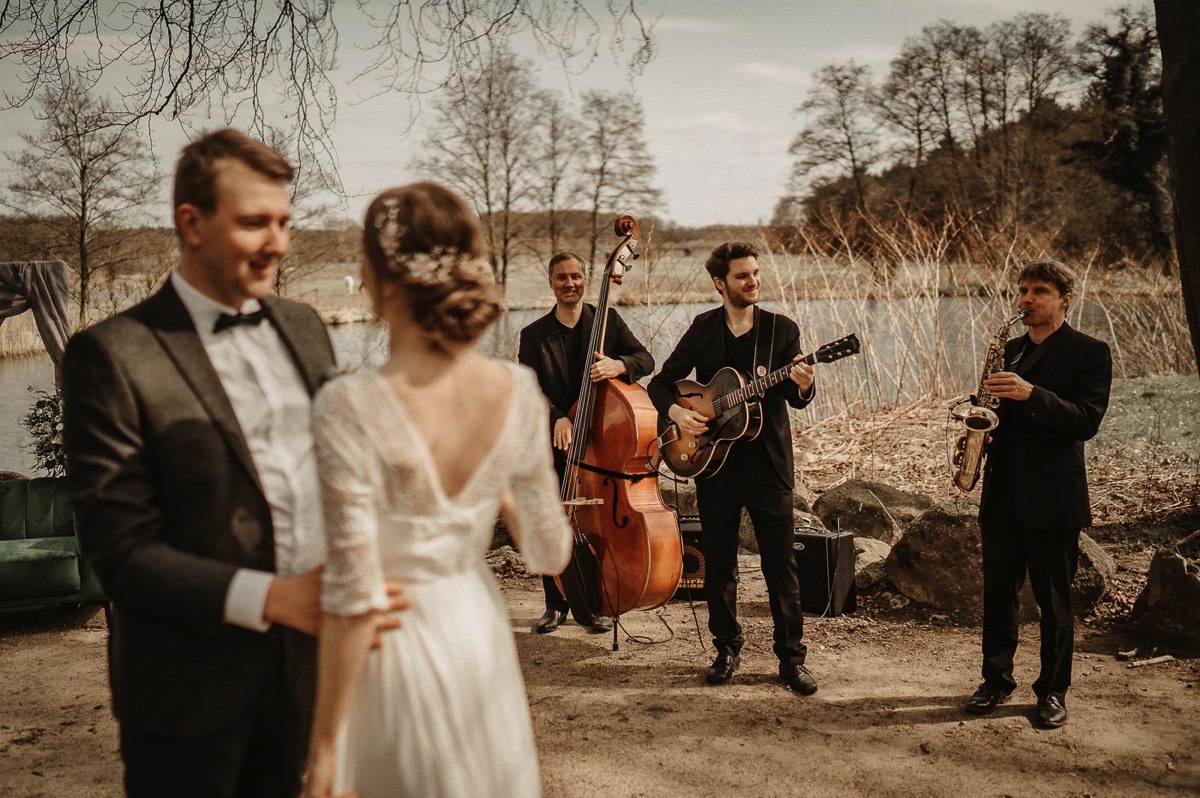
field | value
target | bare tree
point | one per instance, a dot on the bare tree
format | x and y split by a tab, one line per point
1045	59
842	133
618	170
482	143
176	56
82	178
906	106
559	155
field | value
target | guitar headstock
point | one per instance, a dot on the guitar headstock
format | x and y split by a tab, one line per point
621	259
836	350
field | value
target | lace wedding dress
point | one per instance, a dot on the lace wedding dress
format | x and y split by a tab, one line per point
441	708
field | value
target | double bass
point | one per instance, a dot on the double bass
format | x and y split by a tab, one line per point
627	551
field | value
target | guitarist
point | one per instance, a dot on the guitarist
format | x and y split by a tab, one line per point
553	346
757	474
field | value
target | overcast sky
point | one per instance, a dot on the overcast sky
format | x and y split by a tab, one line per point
719	98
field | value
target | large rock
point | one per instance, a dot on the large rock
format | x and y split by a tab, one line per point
869	558
1170	602
939	562
870	509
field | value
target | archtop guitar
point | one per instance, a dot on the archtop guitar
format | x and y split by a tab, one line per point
731	401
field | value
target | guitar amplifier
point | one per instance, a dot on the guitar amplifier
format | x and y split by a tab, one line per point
825	567
691	583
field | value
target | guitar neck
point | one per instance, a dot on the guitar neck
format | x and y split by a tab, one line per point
759	386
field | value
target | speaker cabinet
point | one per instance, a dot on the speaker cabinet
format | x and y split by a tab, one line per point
825	566
691	584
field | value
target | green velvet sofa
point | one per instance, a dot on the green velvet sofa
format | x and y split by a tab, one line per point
39	556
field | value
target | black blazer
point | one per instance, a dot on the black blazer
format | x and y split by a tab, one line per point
702	348
544	350
168	507
1041	440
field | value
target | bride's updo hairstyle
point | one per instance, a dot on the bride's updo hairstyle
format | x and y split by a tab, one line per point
425	239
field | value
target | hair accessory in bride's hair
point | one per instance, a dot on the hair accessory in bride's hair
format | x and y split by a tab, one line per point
427	267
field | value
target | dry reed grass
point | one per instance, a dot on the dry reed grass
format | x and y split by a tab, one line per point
19	336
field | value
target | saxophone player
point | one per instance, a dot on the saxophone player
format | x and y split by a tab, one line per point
1053	393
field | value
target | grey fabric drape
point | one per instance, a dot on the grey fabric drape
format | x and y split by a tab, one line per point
44	288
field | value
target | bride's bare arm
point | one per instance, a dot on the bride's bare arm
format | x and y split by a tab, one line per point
343	643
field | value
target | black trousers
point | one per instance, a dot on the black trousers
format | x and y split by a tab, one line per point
719	501
1010	550
554	597
261	755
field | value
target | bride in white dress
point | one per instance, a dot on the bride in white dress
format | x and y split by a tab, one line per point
417	460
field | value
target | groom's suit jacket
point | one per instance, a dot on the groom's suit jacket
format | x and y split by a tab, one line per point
168	507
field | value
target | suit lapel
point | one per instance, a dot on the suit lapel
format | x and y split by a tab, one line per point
297	344
170	322
556	341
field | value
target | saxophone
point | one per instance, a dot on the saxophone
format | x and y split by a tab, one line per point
978	414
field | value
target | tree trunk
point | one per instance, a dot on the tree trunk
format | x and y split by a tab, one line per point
1178	23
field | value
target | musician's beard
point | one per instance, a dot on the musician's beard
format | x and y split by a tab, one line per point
740	300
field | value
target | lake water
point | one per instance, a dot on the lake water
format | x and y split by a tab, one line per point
910	346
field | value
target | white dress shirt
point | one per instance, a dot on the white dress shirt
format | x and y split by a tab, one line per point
274	411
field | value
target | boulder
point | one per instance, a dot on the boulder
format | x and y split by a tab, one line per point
939	562
1170	602
869	557
870	509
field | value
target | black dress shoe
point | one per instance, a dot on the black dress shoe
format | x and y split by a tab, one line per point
1051	711
549	621
723	668
985	699
797	678
601	624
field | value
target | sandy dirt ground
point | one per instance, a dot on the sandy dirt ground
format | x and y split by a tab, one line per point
640	721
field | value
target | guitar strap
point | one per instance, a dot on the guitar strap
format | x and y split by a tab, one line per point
760	371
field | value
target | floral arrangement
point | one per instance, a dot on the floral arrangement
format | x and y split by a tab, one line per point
44	424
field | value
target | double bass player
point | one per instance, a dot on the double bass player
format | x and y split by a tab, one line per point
554	347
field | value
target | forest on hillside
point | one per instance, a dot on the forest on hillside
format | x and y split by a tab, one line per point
1015	133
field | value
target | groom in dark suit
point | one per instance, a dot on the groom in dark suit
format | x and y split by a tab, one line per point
1053	394
193	478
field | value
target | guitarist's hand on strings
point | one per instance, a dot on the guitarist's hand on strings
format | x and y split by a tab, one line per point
690	422
605	368
802	374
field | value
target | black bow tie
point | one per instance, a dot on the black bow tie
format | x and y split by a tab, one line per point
228	320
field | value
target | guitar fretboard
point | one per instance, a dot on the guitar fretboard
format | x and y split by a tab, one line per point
758	386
